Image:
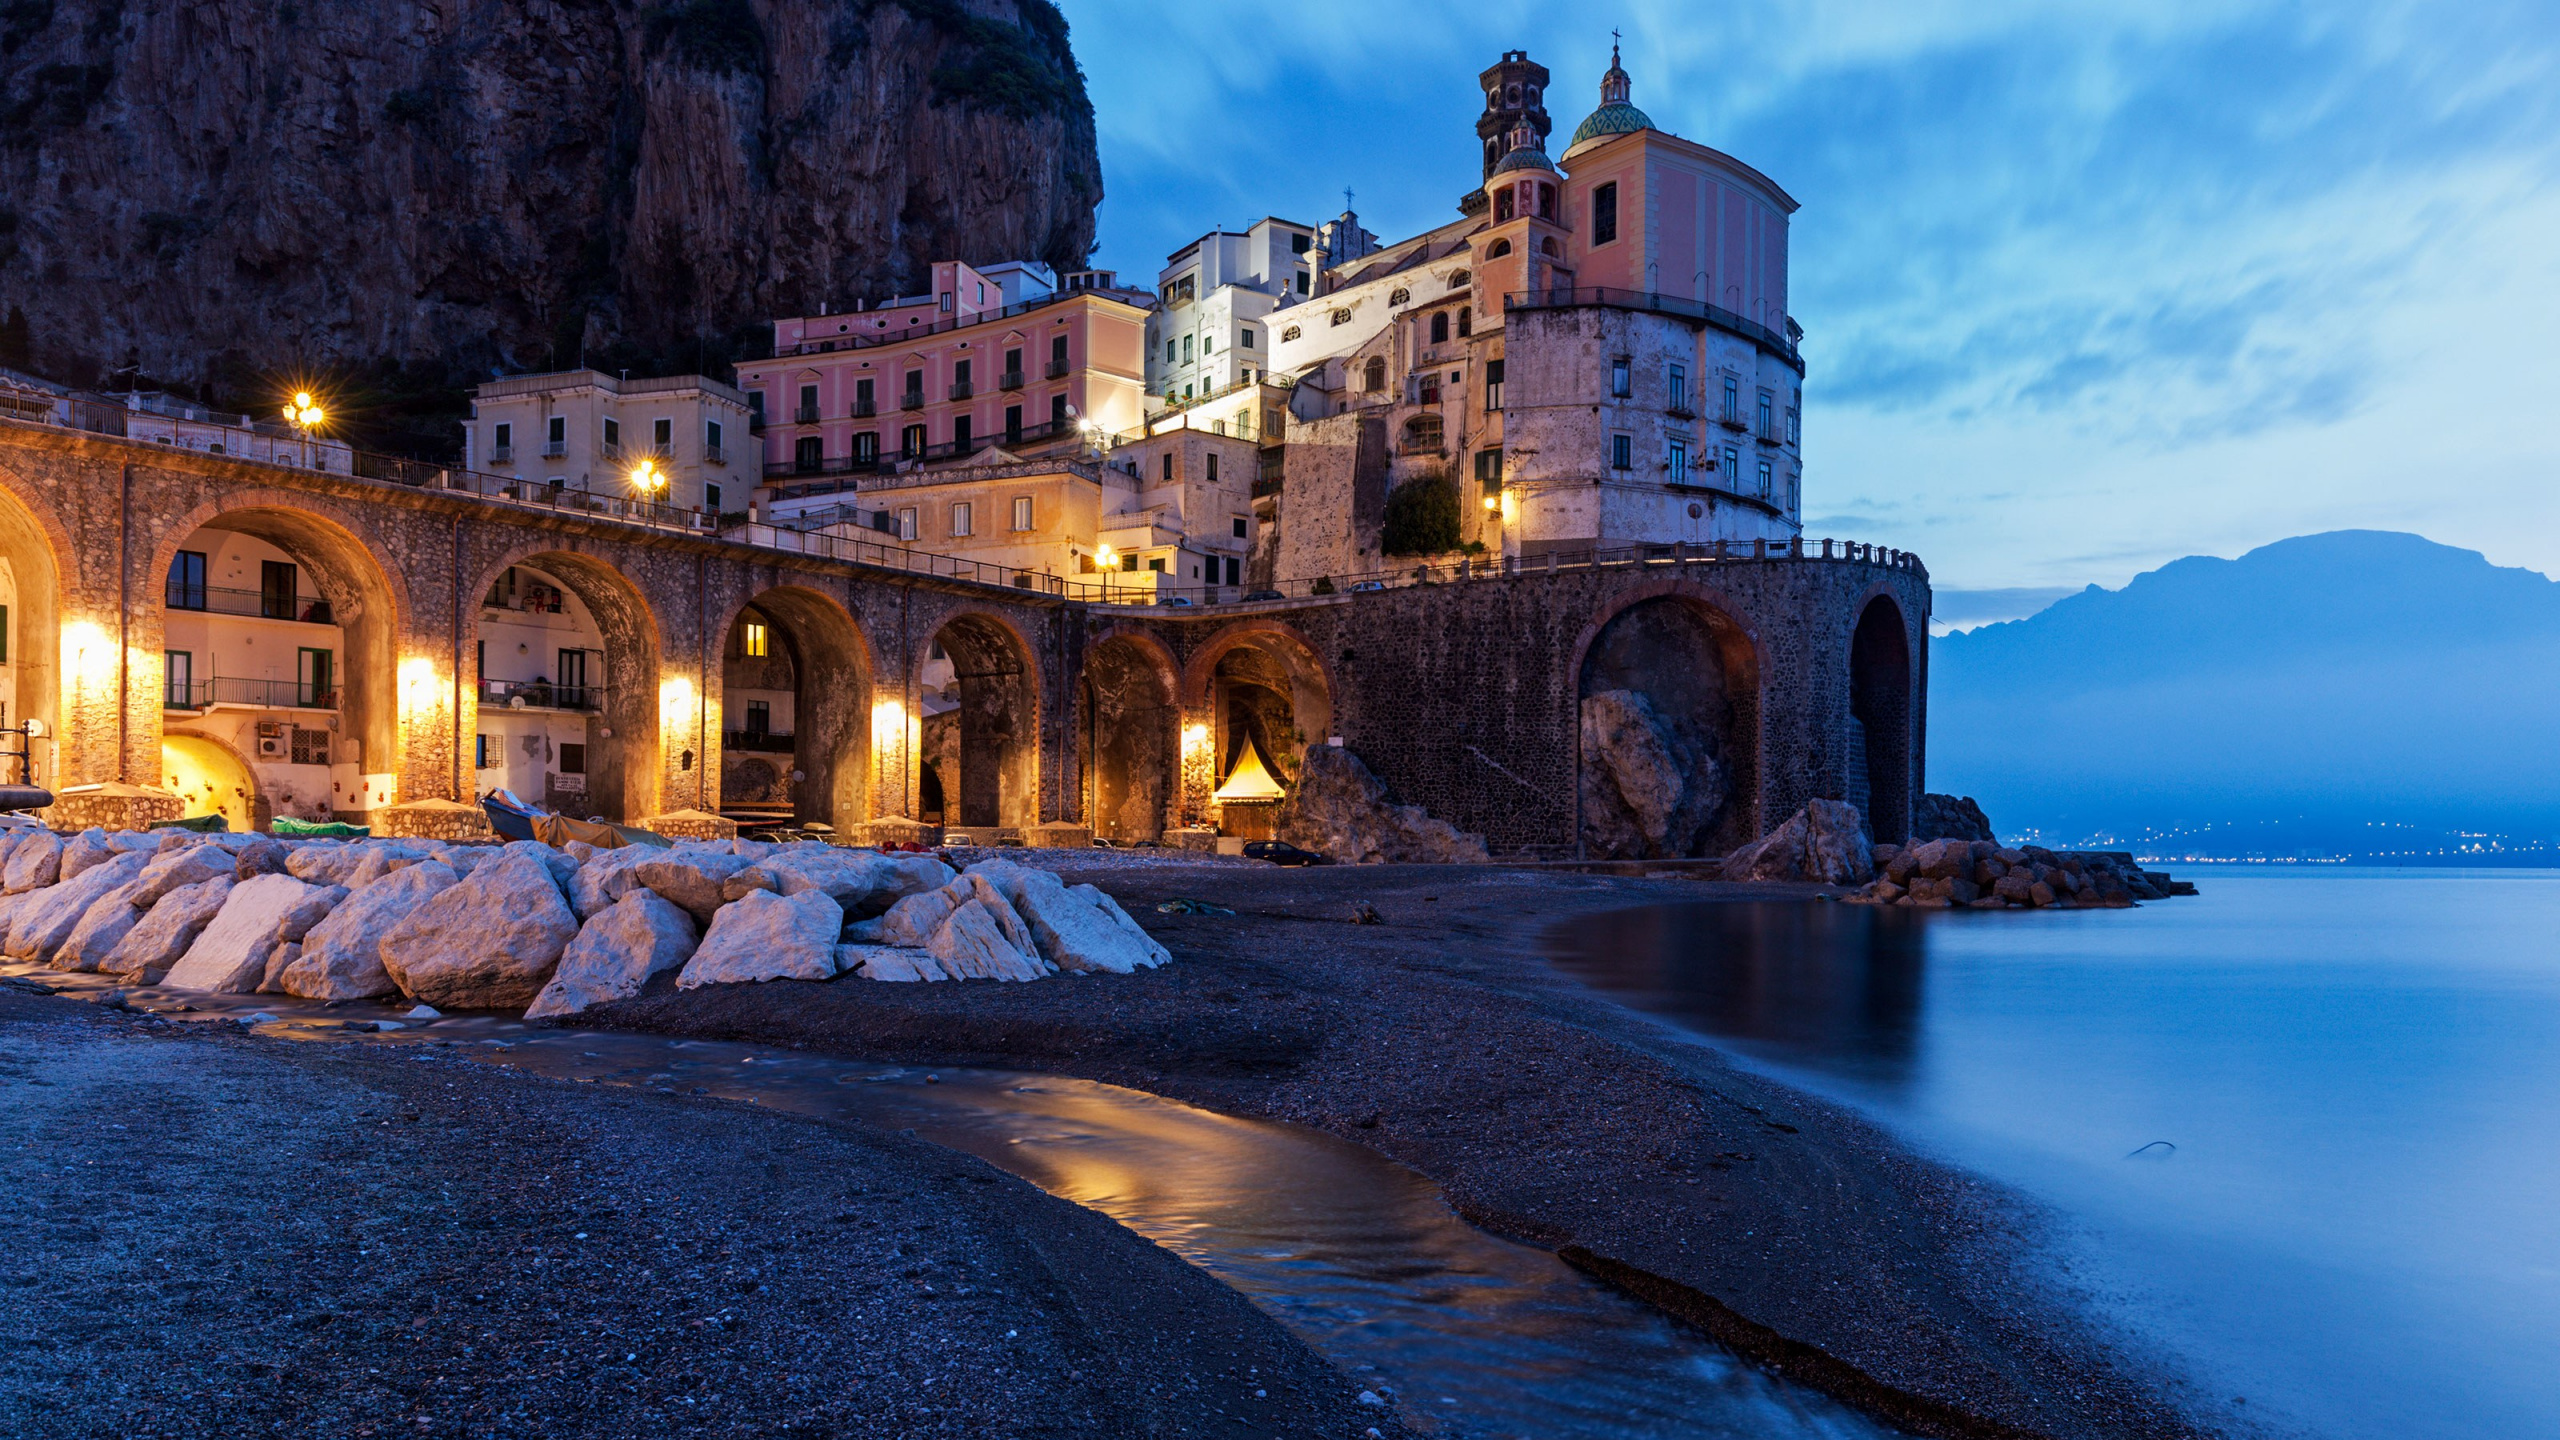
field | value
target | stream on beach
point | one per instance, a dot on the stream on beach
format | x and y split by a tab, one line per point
2302	1131
1466	1335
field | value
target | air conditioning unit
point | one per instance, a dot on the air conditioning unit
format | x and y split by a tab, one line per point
272	747
271	729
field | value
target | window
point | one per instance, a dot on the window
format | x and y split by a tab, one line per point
1013	424
1058	412
1460	280
1500	249
1235	571
754	641
945	299
1157	565
1290	334
1622	452
1302	282
1057	351
1208	344
1502	211
907	523
866	445
1679	462
915	390
1013	367
573	759
1440	328
808	403
316	675
1733	468
1732	398
1170	350
809	453
1795	426
1168	467
309	747
479	659
557	437
755	406
1245	337
1546	201
1466	321
1422	435
278	581
866	401
662	433
1400	296
911	441
1021	512
1186	349
1677	382
1373	376
1493	384
186	580
178	679
1764	479
479	752
1298	244
503	436
961	437
1604	214
711	436
1341	317
711	498
1768	424
1621	383
959	518
1240	527
759	717
573	676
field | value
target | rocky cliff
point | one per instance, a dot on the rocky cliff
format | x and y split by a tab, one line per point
237	189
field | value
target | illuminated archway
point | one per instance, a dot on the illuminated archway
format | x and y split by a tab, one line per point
619	695
30	674
797	652
981	722
1256	685
211	778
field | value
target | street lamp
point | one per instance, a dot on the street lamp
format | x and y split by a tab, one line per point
304	414
647	480
1106	560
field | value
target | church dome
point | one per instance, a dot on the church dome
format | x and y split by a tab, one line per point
1615	116
1525	158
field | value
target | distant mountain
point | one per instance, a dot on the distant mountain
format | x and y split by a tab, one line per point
2354	692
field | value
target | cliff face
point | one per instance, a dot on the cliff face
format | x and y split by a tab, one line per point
225	189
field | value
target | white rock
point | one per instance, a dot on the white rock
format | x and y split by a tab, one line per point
186	865
615	953
422	1012
913	920
164	933
487	943
88	848
381	860
919	873
896	963
325	863
765	936
34	862
973	944
691	878
48	919
231	956
341	956
1072	931
109	919
606	877
563	869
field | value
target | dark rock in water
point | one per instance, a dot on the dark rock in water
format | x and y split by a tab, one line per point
1825	842
1338	809
1950	817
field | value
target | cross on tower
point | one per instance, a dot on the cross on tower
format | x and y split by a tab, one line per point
1346	199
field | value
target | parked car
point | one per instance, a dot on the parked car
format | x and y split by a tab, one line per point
1368	585
1281	852
1264	595
1173	600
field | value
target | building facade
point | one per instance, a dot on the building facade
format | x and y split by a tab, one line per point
1215	297
588	430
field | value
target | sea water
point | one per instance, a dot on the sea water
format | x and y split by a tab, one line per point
2301	1132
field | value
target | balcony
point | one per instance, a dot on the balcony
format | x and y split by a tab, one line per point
714	455
266	605
763	741
540	695
962	389
912	400
610	450
502	455
1770	438
258	694
1058	369
1733	422
806	415
865	407
1679	410
1011	380
554	449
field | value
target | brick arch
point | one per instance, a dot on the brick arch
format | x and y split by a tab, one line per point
1310	691
368	600
37	549
1741	668
1204	660
1128	736
622	738
998	745
831	727
1881	678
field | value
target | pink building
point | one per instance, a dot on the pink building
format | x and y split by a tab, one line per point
992	357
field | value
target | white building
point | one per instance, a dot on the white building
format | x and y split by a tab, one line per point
586	429
541	680
1211	329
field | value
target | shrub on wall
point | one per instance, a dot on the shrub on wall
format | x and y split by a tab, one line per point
1422	518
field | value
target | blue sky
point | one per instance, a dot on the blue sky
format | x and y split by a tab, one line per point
2085	288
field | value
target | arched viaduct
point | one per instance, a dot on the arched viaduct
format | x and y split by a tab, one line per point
1801	675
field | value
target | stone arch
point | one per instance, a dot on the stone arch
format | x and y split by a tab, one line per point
1880	710
31	544
831	674
623	763
981	726
213	778
1129	713
1667	687
368	603
1259	682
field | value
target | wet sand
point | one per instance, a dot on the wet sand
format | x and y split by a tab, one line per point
204	1232
1439	1036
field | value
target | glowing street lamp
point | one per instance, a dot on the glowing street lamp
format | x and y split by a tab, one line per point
647	480
304	414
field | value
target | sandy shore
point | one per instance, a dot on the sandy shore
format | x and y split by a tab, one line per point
1439	1036
206	1233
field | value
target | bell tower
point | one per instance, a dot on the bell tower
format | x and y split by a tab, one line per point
1515	94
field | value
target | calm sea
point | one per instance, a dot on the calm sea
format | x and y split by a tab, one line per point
2302	1131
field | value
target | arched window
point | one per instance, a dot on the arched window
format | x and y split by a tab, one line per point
1374	375
1289	334
1500	249
1461	280
1400	296
1546	201
1550	246
1502	205
1422	434
1440	327
1466	321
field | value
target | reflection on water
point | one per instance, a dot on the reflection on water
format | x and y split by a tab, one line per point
2359	1072
1470	1335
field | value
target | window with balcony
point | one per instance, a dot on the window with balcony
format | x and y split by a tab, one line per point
555	439
1057	357
808	412
1768	419
612	438
866	446
279	584
1764	479
316	678
1732	401
866	400
962	386
1021	513
662	434
911	441
502	444
1733	468
808	454
186	581
178	680
1057	412
1013	424
1013	369
914	397
963	438
759	718
713	447
1422	435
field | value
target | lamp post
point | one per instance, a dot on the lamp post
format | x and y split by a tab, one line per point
304	414
648	482
1106	560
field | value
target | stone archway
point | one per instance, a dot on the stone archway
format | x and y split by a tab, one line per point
1258	685
31	674
981	723
1668	693
814	661
1131	722
212	779
620	705
1880	709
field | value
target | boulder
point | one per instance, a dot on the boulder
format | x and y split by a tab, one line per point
863	881
1825	842
615	954
487	943
47	918
893	963
177	868
754	877
109	919
231	955
692	879
913	920
260	856
564	871
972	943
1071	931
1949	817
34	862
88	848
915	874
607	877
765	936
341	956
324	864
381	860
1338	809
161	937
1649	785
1941	859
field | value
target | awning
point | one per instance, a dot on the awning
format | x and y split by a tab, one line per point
1250	780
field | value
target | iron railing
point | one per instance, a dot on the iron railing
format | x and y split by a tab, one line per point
540	695
266	604
763	741
263	694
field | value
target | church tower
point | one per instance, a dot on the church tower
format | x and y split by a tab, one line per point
1515	94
